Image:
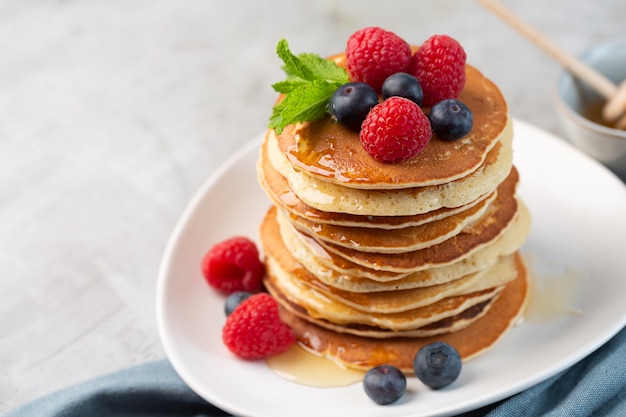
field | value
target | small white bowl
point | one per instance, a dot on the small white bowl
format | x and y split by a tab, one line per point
572	96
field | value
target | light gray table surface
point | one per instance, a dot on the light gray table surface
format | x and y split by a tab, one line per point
113	113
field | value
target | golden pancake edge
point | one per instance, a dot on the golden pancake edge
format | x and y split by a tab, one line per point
363	353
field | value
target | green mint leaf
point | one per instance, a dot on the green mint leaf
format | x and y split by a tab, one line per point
310	82
293	66
324	69
287	86
306	103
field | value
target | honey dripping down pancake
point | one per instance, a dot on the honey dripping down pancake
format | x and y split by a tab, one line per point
369	261
327	196
277	188
328	151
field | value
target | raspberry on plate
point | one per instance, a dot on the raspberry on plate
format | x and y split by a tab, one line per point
234	265
395	130
254	329
439	65
373	54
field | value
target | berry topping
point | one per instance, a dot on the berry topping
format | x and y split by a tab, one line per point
373	54
234	299
351	102
450	119
437	365
233	265
439	65
384	384
403	85
254	330
395	130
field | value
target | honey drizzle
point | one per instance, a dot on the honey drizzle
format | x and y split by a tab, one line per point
554	291
593	113
303	367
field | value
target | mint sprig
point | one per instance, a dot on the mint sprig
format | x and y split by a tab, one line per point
310	82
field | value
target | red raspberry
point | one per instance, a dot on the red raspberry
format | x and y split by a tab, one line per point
234	265
439	65
373	54
395	130
254	329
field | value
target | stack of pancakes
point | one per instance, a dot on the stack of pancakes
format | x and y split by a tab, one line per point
370	261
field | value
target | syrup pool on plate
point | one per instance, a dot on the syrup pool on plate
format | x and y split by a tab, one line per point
554	292
302	367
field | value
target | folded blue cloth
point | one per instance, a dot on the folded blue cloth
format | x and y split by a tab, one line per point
152	389
596	386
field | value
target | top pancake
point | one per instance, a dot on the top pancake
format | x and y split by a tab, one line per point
278	189
331	152
328	196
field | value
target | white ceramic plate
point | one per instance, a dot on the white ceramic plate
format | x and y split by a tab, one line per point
579	224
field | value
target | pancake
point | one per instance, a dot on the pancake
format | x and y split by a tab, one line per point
330	197
339	273
451	323
489	227
407	239
332	153
393	301
364	352
369	239
292	294
277	188
286	269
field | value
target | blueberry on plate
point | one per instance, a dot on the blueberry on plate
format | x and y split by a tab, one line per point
403	85
233	300
450	119
351	102
384	384
437	365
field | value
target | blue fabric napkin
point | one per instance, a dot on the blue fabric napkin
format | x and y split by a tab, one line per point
596	386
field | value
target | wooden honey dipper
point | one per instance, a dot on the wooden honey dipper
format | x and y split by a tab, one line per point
614	110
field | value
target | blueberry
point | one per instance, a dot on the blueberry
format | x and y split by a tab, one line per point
450	119
384	384
234	299
403	85
437	365
351	102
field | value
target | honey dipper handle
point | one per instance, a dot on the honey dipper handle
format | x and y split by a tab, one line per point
616	106
597	81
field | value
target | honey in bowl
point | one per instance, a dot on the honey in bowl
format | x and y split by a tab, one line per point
593	112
